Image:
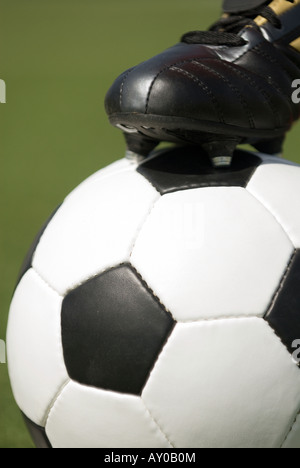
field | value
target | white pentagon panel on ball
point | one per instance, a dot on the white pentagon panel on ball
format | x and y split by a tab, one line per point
86	417
94	229
224	383
293	439
121	165
276	184
211	253
35	355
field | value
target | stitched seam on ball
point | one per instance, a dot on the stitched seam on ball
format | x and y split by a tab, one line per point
54	400
281	284
221	317
274	299
158	196
234	89
270	212
298	411
157	425
151	182
95	275
141	227
291	429
46	282
150	291
194	185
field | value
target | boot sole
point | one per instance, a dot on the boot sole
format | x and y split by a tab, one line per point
143	132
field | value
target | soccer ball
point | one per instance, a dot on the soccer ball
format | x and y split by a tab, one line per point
160	307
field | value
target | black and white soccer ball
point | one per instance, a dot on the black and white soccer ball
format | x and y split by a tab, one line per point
160	307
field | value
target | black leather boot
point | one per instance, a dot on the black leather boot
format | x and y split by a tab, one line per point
217	89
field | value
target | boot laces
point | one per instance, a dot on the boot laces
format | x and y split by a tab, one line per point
225	31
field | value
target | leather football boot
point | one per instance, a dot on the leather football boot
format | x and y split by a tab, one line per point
229	85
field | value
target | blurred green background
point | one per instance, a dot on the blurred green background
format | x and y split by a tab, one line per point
58	58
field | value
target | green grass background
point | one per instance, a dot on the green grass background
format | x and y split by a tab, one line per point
58	58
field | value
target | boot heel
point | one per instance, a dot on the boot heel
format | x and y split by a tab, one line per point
274	146
139	146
